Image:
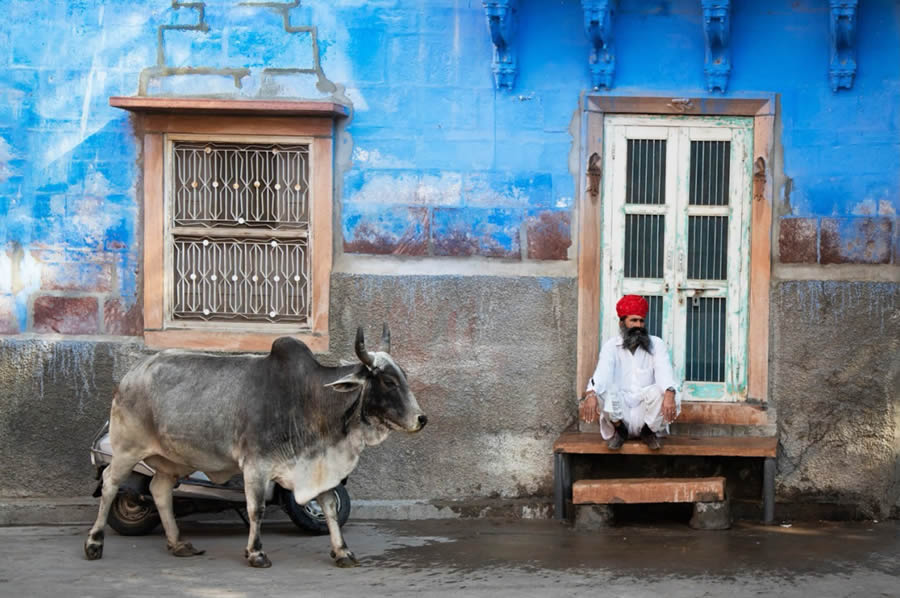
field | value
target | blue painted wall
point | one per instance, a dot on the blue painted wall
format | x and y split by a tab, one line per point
440	162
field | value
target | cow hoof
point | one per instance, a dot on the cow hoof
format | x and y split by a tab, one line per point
259	559
346	561
93	551
186	549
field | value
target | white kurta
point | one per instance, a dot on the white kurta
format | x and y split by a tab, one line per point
630	387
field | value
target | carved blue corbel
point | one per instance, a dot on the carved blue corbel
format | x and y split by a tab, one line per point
843	44
717	35
501	18
598	17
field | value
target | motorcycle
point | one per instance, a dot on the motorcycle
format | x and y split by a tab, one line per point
133	512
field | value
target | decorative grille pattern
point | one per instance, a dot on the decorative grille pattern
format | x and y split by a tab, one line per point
240	232
646	168
243	280
705	346
241	185
644	244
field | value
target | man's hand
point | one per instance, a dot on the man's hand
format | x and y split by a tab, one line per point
587	409
668	407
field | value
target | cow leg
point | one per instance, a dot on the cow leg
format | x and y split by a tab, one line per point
255	491
339	551
113	476
161	488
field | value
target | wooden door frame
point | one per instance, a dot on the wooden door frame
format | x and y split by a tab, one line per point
594	108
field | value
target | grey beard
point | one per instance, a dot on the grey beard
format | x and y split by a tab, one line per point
636	337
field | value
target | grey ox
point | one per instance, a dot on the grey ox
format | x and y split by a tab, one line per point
279	417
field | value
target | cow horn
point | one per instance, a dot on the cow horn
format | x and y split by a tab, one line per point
364	356
385	338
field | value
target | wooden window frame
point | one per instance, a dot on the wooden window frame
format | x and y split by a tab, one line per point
762	110
159	117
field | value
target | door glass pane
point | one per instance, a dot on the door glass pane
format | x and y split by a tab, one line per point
646	168
707	247
705	343
644	237
709	172
654	315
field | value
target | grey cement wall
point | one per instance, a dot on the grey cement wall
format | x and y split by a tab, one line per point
55	397
836	373
491	360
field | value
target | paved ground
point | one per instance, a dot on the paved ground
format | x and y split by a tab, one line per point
467	558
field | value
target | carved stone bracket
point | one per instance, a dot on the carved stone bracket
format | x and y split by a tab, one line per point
717	34
598	17
843	44
501	18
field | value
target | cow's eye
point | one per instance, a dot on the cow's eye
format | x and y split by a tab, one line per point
390	381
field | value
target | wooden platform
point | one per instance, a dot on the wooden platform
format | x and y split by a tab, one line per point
572	442
582	443
648	490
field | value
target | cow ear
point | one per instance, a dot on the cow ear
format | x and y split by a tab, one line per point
348	383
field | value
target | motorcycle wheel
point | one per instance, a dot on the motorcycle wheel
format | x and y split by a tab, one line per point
131	518
310	516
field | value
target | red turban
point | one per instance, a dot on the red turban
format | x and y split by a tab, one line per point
632	305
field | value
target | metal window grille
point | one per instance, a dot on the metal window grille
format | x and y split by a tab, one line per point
705	343
644	245
240	232
707	247
710	161
654	315
646	168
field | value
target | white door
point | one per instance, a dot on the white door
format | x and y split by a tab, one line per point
676	208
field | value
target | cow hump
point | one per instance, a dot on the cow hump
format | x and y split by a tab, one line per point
288	348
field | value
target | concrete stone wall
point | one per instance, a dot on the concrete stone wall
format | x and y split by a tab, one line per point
491	360
56	396
836	374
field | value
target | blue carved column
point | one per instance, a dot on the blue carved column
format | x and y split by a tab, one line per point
598	17
717	35
843	44
501	17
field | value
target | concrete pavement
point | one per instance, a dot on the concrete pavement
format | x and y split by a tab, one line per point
489	557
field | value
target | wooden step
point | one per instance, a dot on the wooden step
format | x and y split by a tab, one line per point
715	446
648	490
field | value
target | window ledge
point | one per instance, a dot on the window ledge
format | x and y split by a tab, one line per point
210	340
236	107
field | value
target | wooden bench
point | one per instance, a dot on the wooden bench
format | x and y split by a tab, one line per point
573	442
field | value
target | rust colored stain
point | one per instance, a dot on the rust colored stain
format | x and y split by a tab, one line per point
549	236
456	243
856	241
491	248
66	315
369	239
121	322
797	241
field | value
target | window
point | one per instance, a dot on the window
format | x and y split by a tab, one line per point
237	221
237	231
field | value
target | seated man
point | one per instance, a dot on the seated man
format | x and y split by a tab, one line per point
633	390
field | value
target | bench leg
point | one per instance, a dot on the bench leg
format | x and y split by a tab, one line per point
562	484
769	491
